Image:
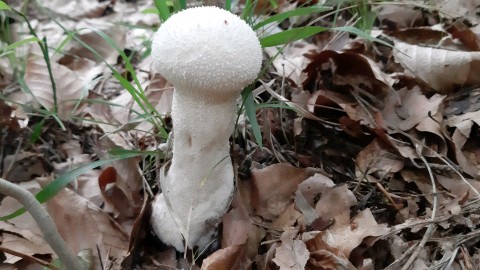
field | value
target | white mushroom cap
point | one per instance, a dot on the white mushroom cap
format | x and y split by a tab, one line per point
207	49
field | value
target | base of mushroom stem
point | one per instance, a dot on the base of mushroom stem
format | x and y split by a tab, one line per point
167	230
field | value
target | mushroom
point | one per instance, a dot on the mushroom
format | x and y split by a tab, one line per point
209	55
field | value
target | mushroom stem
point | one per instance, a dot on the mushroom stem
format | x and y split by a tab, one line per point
202	163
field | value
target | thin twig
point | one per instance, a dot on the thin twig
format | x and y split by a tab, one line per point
431	227
401	258
44	221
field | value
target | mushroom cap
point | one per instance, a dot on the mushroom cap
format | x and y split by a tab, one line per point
207	49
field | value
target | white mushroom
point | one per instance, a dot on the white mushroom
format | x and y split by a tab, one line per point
209	55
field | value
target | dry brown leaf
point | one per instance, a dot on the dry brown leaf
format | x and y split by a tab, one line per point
88	187
85	226
441	69
307	193
23	166
347	236
289	62
457	8
315	185
69	87
335	204
274	188
22	233
447	204
232	257
404	109
399	16
129	180
288	218
239	228
236	228
74	157
464	122
87	33
78	8
376	159
349	69
113	195
292	254
326	260
457	186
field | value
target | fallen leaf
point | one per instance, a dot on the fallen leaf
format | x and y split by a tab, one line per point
69	87
441	69
376	159
85	226
232	257
346	237
292	254
274	188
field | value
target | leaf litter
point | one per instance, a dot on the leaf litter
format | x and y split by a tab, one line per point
342	181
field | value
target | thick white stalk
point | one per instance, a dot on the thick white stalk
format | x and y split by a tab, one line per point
199	183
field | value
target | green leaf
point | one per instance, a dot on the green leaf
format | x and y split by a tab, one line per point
251	111
126	152
162	9
291	35
292	13
20	43
4	6
362	34
62	181
151	11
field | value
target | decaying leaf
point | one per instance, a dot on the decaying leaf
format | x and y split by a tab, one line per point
85	226
274	188
442	69
376	159
292	254
70	89
232	257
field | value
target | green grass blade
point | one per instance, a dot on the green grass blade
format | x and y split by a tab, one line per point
275	106
183	4
162	9
137	94
251	111
362	34
291	35
62	181
151	11
292	13
228	5
4	6
126	152
274	4
36	131
247	11
21	43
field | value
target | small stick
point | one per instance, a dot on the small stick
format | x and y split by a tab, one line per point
385	192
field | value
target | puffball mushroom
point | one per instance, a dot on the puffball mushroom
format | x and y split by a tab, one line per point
209	55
